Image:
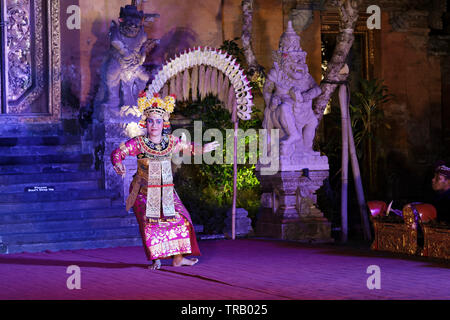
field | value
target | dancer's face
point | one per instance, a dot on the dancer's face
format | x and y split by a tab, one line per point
155	125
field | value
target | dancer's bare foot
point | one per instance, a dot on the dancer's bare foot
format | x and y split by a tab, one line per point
179	261
156	264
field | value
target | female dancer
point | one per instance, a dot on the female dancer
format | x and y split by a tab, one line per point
164	223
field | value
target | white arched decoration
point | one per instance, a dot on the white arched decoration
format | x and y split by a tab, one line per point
205	63
177	70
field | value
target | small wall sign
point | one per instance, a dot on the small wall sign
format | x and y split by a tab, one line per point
39	189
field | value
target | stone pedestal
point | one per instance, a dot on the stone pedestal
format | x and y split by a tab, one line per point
243	223
288	202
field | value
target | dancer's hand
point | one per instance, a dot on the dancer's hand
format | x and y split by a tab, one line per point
183	142
210	146
120	169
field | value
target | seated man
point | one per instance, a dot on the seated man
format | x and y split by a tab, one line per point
441	184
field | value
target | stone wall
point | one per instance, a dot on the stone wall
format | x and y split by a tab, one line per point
413	76
267	26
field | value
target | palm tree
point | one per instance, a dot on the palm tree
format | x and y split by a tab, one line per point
367	118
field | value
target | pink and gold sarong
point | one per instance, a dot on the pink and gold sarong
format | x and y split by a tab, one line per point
166	238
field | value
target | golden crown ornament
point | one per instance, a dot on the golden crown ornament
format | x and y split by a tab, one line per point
155	105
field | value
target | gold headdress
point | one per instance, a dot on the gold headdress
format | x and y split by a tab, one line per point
155	105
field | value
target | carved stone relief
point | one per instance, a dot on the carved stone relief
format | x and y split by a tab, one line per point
18	48
25	59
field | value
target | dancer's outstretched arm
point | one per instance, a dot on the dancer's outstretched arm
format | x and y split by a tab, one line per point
129	148
181	144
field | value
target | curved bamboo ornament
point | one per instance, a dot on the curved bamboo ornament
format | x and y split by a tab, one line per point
194	82
213	82
207	82
213	58
172	87
219	85
231	98
201	82
186	84
224	91
179	85
165	90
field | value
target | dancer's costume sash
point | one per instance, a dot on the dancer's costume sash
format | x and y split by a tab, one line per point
154	179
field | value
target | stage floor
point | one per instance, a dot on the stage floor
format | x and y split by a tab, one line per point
242	269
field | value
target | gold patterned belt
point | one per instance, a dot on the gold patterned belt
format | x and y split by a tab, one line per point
142	176
143	189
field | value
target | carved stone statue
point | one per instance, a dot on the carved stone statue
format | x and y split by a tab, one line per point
123	75
288	93
289	201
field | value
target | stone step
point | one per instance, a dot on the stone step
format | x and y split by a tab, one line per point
117	203
61	158
67	225
34	207
39	141
46	167
38	178
78	235
57	195
28	130
29	217
58	186
40	150
72	245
